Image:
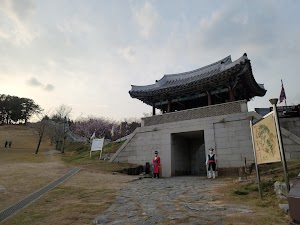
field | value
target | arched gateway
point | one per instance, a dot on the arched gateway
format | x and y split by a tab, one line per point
201	109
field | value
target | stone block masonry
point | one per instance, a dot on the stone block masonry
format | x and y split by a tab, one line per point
227	131
202	112
219	132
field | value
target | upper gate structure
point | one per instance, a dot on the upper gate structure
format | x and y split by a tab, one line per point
220	82
202	109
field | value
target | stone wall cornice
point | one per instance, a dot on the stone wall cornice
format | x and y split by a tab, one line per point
196	113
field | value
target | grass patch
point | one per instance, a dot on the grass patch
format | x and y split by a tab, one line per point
82	147
113	147
80	156
65	205
247	192
240	192
82	159
251	187
245	189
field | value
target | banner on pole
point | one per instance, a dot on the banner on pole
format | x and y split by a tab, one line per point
266	140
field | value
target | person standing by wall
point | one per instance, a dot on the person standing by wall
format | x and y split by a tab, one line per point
211	163
156	165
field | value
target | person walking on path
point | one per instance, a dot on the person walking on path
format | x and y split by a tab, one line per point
5	144
9	144
156	165
211	163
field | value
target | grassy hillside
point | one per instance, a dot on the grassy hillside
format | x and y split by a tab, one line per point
22	137
22	172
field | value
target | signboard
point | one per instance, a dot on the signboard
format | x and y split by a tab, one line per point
97	145
266	140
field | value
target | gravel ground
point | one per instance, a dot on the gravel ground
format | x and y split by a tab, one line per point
176	200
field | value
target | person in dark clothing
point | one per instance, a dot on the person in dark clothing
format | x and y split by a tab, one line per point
211	163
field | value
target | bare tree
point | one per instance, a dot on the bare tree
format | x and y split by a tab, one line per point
41	128
62	112
61	118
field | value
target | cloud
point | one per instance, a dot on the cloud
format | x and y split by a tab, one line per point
72	26
102	106
49	87
14	17
240	24
147	19
128	54
33	82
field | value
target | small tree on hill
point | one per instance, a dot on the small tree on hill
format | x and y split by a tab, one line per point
41	128
61	126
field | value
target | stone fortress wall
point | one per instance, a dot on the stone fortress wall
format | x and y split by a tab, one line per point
225	127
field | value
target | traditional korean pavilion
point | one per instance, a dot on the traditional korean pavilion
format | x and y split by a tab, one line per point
202	109
220	82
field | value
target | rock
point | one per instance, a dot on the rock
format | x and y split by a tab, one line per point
2	188
284	207
241	179
280	188
101	220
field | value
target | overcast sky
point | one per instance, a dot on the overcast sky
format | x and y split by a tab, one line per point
87	54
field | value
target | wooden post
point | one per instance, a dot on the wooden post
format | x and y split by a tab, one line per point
208	98
153	108
231	95
280	142
255	159
169	105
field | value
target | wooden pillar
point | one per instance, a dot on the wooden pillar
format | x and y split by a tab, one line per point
208	98
169	105
231	95
153	108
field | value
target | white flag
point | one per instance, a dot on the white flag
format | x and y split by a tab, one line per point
112	130
94	135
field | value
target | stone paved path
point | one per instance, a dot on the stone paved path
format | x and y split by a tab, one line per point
177	200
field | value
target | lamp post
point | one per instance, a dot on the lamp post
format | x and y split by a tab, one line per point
274	101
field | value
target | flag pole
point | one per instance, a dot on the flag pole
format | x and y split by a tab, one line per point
284	94
274	101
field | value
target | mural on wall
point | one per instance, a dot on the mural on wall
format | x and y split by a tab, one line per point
266	140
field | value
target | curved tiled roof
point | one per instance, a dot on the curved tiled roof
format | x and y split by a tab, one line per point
174	82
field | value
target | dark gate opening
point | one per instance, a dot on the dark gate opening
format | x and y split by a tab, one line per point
188	153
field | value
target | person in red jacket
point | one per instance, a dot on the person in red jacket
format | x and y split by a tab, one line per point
156	165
